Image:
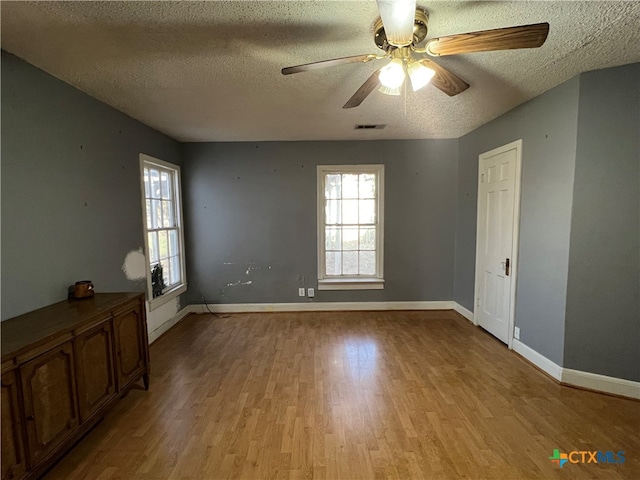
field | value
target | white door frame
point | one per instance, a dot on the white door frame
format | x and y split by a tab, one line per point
516	233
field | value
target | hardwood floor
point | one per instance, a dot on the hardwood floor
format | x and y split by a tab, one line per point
355	395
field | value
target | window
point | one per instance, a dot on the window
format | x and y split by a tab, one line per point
163	230
350	227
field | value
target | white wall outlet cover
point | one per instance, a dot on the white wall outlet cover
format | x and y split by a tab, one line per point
516	333
311	292
301	292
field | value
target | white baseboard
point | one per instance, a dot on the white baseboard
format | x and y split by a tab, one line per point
577	378
468	314
593	381
540	361
155	334
319	306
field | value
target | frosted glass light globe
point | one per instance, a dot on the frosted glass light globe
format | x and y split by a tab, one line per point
419	75
392	75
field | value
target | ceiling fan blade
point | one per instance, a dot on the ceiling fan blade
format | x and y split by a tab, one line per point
330	63
398	17
445	80
523	36
363	92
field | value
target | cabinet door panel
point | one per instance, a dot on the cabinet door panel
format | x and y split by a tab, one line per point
96	375
48	386
13	461
129	347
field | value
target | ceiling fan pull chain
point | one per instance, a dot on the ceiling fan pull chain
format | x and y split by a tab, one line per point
405	99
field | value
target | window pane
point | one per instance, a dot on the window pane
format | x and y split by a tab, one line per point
165	185
165	271
349	239
367	185
163	245
367	211
148	211
147	193
173	242
349	186
349	263
367	239
167	214
332	212
332	239
350	211
334	263
367	263
175	270
155	183
153	247
156	214
332	185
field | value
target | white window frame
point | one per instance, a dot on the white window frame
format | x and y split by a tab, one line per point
351	282
175	290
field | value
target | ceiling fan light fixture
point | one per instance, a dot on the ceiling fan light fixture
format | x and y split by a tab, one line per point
419	75
389	91
400	32
398	17
392	75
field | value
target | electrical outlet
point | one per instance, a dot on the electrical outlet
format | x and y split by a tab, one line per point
311	292
301	292
516	333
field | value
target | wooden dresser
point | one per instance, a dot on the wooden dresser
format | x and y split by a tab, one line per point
62	367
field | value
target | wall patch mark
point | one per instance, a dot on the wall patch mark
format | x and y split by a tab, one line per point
135	265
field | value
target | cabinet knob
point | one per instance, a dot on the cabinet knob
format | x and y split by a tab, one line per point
31	418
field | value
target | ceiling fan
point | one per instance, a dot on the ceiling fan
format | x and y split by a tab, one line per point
400	32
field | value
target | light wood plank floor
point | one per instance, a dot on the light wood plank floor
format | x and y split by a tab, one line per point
358	395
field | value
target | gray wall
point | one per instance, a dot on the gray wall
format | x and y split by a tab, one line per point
602	333
548	127
251	215
71	210
71	205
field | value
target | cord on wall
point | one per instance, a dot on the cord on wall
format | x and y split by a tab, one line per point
204	300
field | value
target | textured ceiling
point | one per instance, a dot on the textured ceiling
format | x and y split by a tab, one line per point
210	71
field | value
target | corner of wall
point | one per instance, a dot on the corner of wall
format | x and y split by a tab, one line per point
603	244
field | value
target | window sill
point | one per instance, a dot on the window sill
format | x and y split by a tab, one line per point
351	284
167	296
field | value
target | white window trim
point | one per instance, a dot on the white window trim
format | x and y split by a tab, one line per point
351	282
146	160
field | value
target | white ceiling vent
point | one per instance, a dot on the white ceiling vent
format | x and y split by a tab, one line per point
370	127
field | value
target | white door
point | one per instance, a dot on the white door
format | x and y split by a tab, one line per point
498	211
